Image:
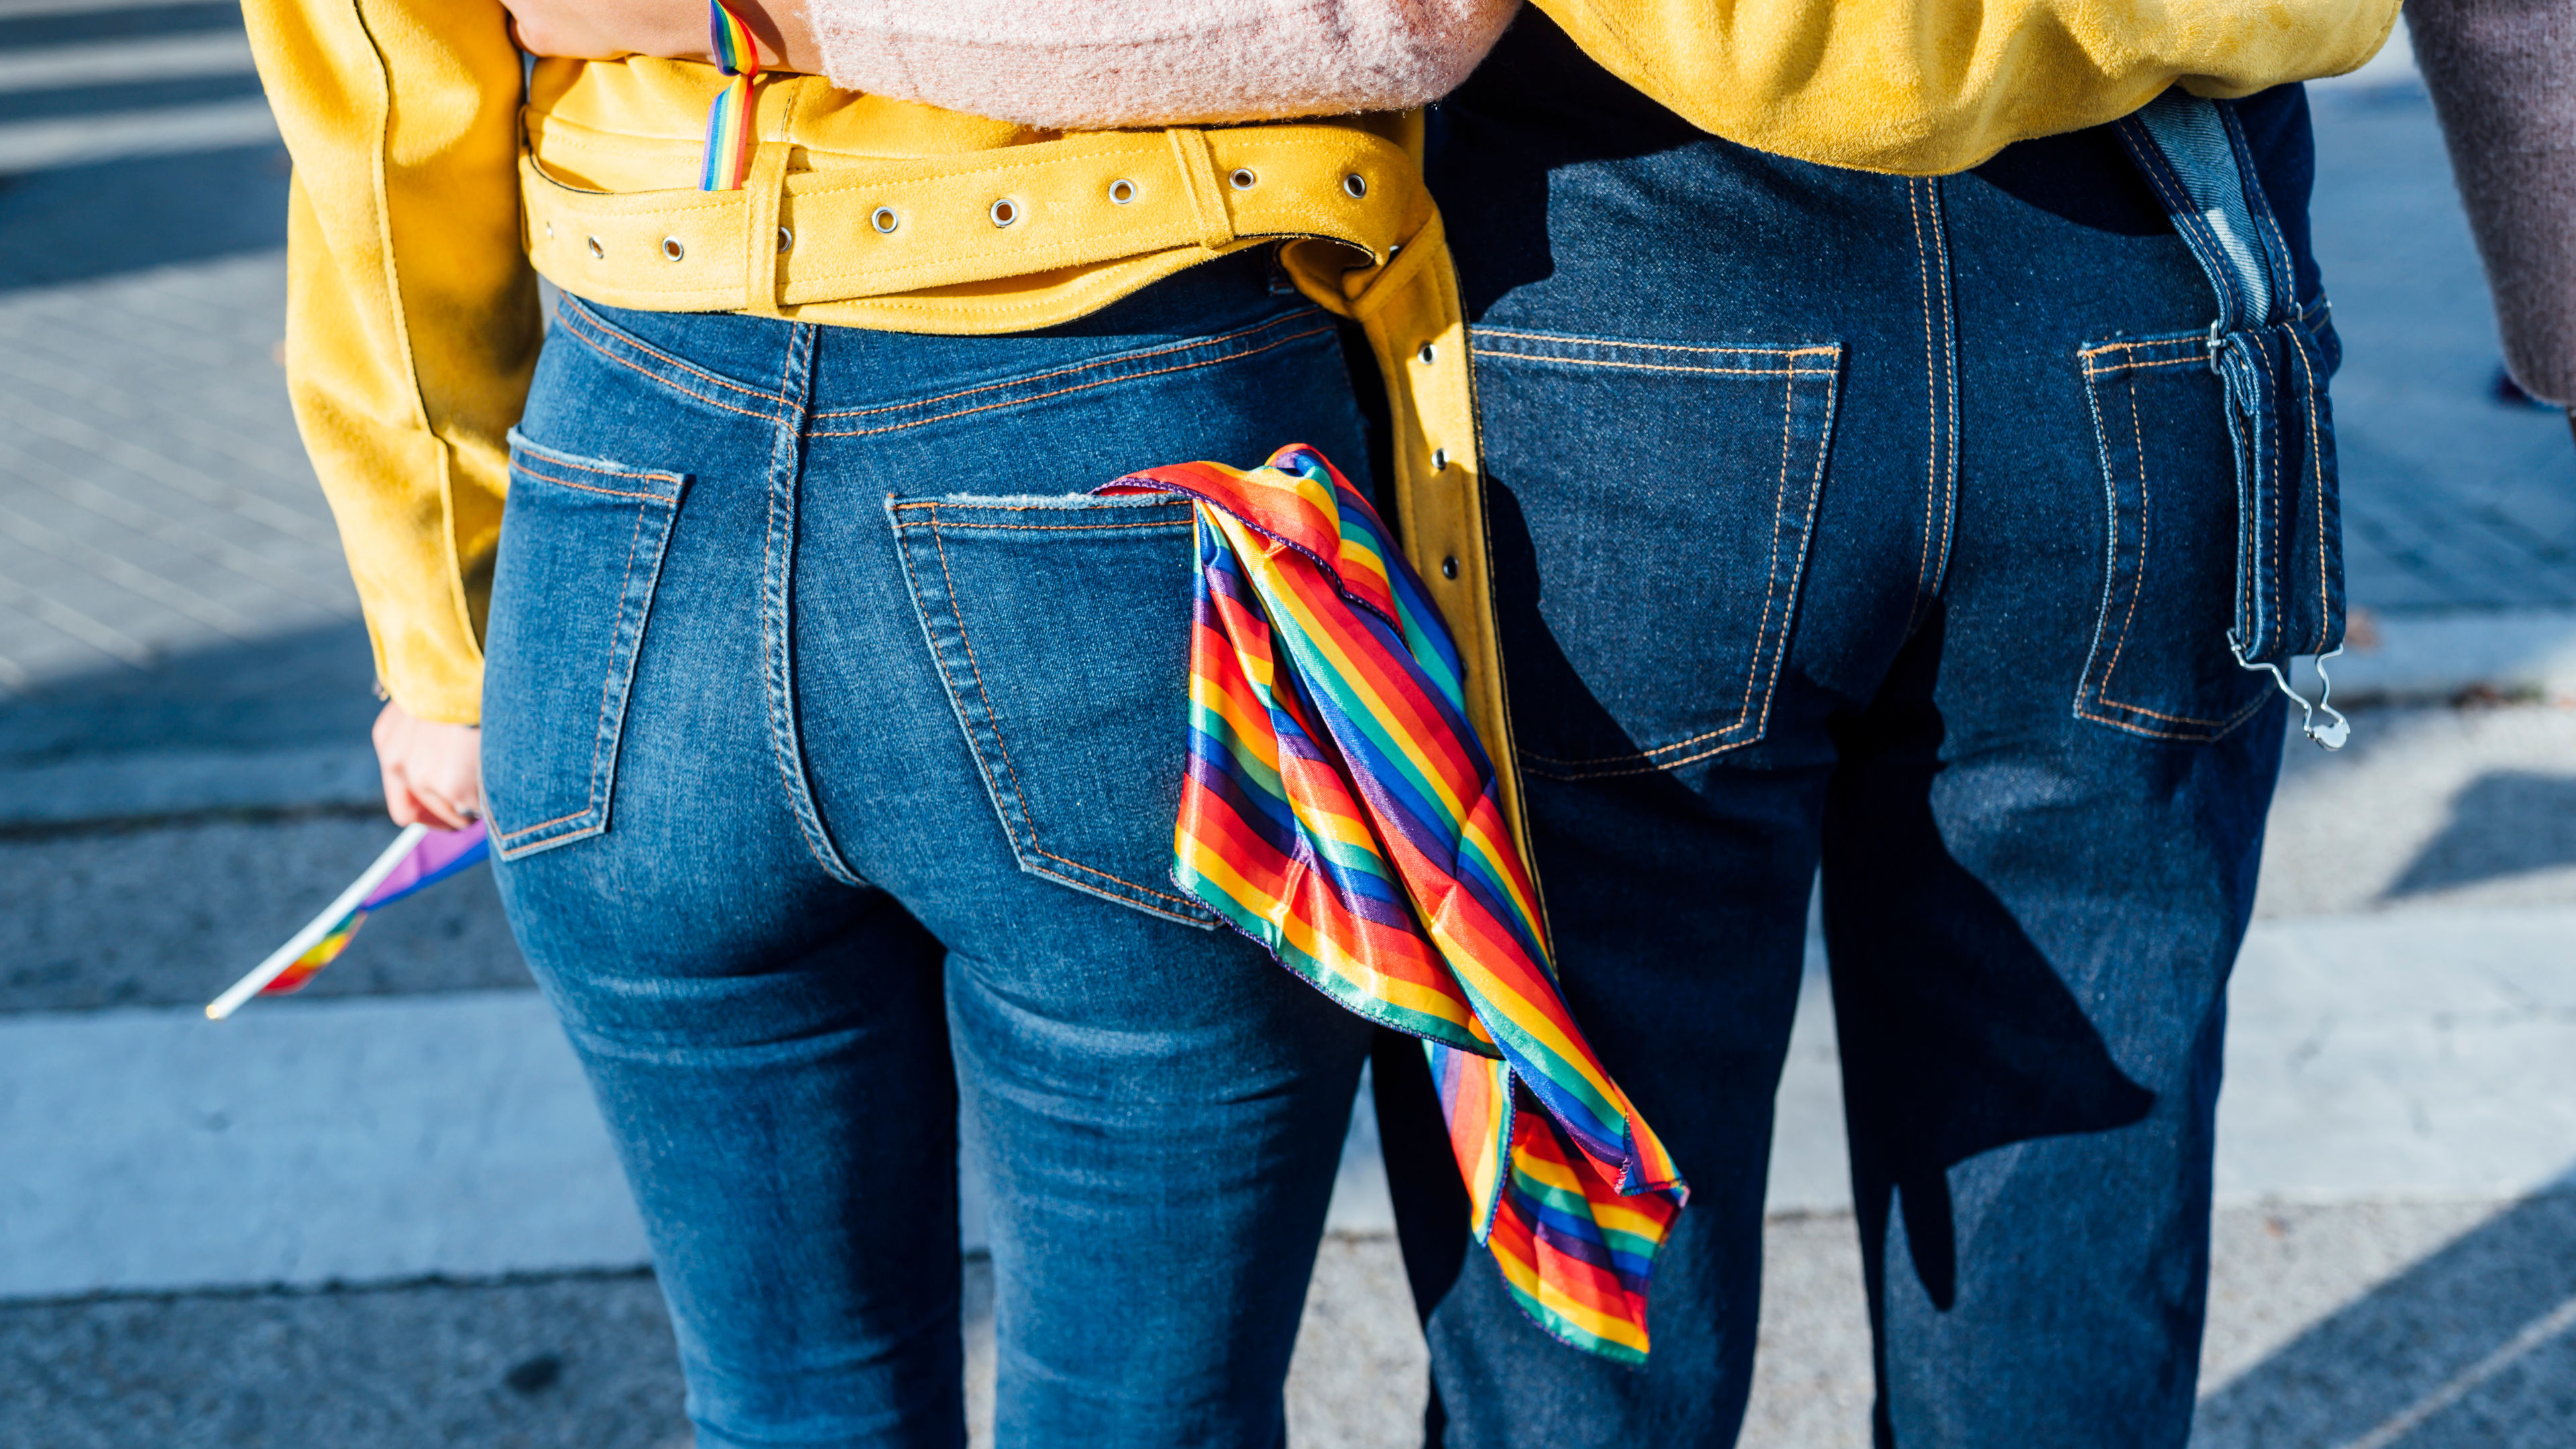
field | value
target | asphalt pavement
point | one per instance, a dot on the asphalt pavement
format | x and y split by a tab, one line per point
383	1213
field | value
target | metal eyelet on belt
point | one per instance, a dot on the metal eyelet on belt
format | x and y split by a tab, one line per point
1122	191
1425	355
1005	211
884	220
1356	185
786	239
597	252
1440	460
672	250
1449	568
1243	179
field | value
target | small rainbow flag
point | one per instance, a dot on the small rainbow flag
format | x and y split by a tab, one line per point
728	155
1339	808
419	858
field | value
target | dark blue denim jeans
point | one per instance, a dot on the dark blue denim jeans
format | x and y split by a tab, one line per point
832	744
1881	527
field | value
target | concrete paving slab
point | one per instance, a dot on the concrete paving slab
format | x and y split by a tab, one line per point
169	916
563	1363
2448	494
2404	1055
301	1143
2426	807
2422	1054
2426	1325
365	1140
580	1361
106	789
2329	1326
2393	657
2432	1326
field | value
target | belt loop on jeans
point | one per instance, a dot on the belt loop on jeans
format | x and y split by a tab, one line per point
765	242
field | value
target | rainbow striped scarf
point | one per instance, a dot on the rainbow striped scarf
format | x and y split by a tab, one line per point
1339	809
727	160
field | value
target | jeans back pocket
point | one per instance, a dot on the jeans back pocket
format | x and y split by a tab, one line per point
581	549
2160	664
1651	505
1060	626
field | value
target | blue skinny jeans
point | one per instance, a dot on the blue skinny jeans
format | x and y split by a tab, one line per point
832	745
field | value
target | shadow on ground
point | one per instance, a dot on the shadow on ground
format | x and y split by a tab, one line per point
2507	822
75	223
312	686
2472	1348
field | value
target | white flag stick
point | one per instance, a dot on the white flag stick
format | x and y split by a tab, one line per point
315	929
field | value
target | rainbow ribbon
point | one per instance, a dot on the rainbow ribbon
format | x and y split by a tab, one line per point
418	859
1339	809
727	160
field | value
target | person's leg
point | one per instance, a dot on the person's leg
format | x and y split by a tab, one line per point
2041	846
1675	277
1703	398
767	1043
991	679
906	691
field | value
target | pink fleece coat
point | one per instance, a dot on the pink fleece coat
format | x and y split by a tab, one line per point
1091	64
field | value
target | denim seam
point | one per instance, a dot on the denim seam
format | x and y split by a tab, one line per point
1091	366
2093	697
650	375
2205	731
992	723
1643	762
2317	469
2178	209
1653	366
1063	391
593	805
620	336
607	683
1949	389
785	476
2249	180
1088	502
1940	397
589	487
1039	527
2272	532
2146	501
1931	396
1749	349
566	460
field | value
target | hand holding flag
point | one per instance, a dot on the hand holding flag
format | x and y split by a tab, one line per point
419	858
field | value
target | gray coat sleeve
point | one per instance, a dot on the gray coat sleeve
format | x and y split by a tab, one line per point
2503	78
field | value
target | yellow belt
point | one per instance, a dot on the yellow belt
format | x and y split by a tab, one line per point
1070	226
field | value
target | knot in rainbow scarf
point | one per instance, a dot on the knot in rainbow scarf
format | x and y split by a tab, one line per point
1339	809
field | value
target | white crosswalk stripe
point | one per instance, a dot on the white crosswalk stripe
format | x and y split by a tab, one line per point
134	125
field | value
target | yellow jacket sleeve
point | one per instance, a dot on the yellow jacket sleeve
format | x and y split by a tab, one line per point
1927	87
412	319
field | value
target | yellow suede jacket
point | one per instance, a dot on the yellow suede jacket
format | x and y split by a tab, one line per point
431	188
